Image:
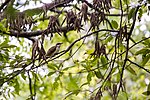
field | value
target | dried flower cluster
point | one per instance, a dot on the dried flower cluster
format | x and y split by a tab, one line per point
102	4
53	25
19	22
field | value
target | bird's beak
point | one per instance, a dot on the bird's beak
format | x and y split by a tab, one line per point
60	43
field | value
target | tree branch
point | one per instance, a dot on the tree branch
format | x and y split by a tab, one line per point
72	44
147	70
35	33
134	20
52	5
30	86
127	48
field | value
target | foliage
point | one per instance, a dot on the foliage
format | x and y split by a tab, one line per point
104	54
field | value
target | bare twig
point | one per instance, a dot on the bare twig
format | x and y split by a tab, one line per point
34	33
72	44
147	70
127	48
30	86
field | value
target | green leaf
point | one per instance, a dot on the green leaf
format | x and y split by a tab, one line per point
18	57
122	47
148	88
32	12
116	77
131	13
1	81
50	73
122	96
108	39
90	51
2	27
145	59
140	13
65	69
36	76
104	61
11	11
126	1
98	74
86	66
52	66
89	77
23	76
143	51
55	85
131	70
72	83
7	46
76	92
4	43
147	93
108	84
146	42
17	86
114	69
114	24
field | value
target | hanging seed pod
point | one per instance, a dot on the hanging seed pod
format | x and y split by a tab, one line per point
97	48
70	18
94	20
84	11
35	48
102	4
103	49
42	53
77	24
54	24
97	3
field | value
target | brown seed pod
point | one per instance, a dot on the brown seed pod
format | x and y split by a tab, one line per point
71	17
94	20
84	11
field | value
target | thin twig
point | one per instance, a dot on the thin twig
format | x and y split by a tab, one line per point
30	86
147	70
72	44
127	48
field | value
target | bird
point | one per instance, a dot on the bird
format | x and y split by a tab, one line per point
53	50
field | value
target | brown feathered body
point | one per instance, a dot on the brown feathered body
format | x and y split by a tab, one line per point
53	50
